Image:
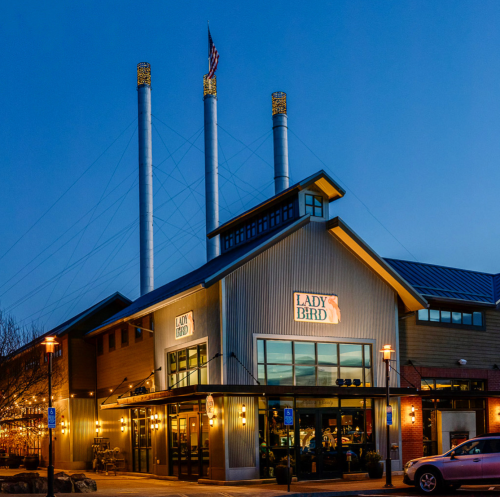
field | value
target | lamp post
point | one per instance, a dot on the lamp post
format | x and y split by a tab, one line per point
50	344
386	351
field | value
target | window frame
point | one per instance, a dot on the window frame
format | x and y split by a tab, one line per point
111	338
187	370
452	310
294	364
124	333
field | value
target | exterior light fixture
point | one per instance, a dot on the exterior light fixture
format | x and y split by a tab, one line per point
211	422
243	415
122	421
63	425
387	350
130	386
97	427
412	414
156	416
156	426
50	345
91	393
152	417
72	395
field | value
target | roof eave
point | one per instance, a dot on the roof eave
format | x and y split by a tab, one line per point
321	179
147	310
412	299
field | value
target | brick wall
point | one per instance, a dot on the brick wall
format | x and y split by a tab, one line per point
411	433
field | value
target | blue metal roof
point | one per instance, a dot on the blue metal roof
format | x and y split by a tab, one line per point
207	274
449	283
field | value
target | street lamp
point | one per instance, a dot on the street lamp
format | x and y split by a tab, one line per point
50	345
387	351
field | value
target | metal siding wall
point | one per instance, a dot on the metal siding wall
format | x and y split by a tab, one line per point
259	298
82	428
206	313
241	440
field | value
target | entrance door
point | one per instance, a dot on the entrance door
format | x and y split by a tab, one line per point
189	446
318	456
141	441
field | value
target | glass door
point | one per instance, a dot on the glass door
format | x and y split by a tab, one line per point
141	440
317	451
186	454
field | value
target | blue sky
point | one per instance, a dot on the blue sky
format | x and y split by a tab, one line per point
400	101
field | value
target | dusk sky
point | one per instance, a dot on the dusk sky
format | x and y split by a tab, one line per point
398	101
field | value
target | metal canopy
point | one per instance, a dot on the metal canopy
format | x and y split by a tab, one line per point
196	391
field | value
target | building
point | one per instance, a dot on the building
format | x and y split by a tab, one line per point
450	352
74	393
295	302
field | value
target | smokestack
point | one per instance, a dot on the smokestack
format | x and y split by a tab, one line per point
211	164
145	177
280	136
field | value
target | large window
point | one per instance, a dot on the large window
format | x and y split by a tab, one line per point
285	362
188	367
447	317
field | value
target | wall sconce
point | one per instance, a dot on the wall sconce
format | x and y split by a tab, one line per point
122	421
97	427
211	421
412	414
243	415
63	427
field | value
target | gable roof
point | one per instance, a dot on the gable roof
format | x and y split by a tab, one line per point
203	277
61	329
450	283
320	179
412	299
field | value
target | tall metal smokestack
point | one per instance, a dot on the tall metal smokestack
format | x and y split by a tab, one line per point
145	177
211	164
280	136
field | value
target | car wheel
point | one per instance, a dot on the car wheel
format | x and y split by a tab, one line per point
428	482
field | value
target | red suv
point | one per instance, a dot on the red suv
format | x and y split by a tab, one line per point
476	461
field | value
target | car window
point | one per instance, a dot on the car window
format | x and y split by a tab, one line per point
492	446
470	448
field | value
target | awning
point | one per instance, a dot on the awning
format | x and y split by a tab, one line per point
197	391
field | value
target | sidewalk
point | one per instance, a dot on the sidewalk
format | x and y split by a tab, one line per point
145	486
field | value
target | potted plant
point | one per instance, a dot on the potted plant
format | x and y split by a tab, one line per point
373	465
15	461
31	462
282	474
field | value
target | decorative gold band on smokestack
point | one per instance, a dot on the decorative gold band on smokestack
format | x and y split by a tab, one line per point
279	102
143	74
209	86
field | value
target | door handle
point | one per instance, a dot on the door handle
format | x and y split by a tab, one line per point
476	460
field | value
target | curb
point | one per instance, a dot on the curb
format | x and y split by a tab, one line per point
344	493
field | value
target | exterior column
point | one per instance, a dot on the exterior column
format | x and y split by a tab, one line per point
280	140
145	177
211	165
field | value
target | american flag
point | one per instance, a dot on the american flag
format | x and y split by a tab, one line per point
213	57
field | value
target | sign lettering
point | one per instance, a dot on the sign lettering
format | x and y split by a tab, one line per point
184	325
316	308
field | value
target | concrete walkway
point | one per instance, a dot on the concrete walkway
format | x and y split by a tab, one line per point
144	486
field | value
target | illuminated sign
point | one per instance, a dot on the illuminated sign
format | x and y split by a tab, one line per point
184	325
210	407
316	308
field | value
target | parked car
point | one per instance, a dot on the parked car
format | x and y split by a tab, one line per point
476	461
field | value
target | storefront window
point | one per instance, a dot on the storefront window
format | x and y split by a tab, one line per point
283	362
188	367
321	427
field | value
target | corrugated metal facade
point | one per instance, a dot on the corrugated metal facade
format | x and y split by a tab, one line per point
206	314
82	428
241	440
259	298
